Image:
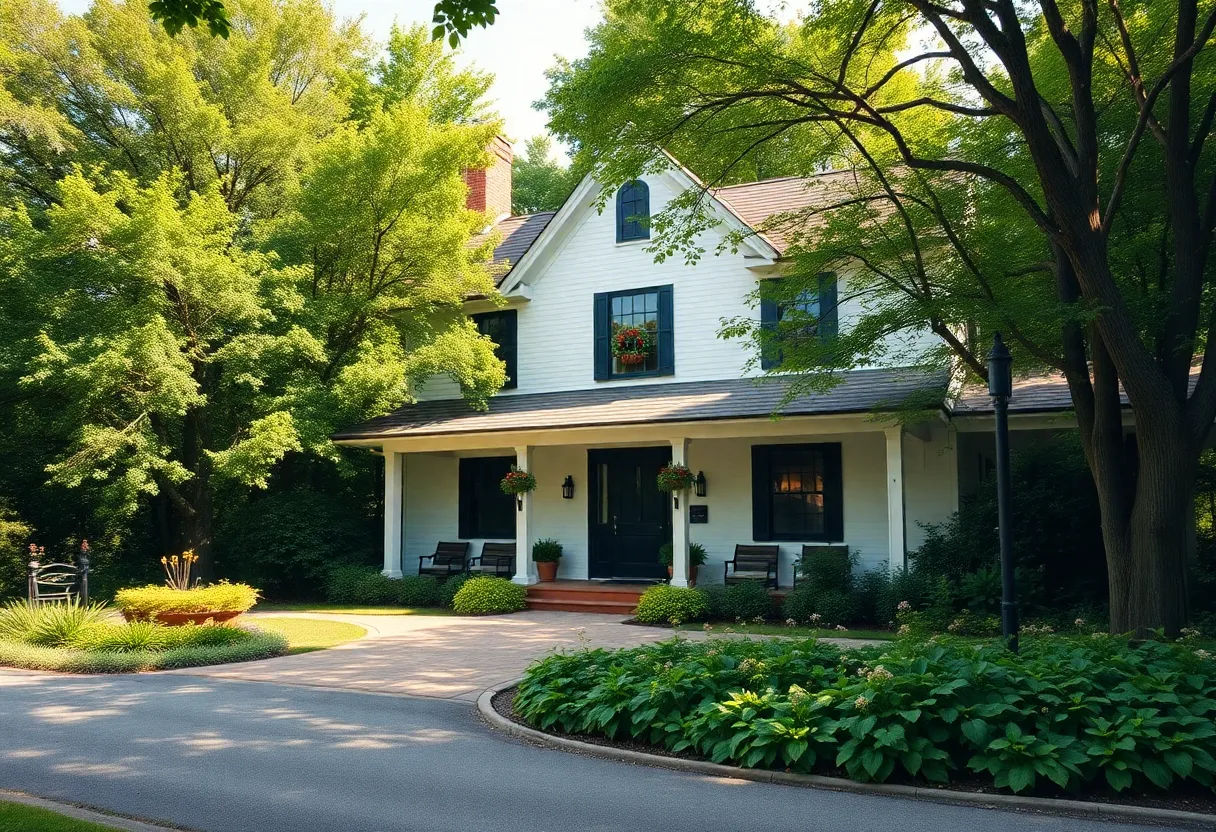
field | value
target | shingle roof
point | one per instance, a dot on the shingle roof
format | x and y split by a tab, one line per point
518	235
755	202
860	391
1035	394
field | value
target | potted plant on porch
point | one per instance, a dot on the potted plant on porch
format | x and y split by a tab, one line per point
519	483
696	557
674	478
547	554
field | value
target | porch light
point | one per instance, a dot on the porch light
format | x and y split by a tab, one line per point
568	488
699	486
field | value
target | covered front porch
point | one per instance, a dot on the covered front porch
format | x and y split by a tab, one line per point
801	480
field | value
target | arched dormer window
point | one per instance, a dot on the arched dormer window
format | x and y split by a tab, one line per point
633	212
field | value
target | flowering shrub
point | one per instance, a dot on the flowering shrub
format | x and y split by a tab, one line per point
663	604
675	478
517	482
1064	714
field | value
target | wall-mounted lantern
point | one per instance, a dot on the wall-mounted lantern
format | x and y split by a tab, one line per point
568	488
699	486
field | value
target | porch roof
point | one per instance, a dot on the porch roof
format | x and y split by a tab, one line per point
859	391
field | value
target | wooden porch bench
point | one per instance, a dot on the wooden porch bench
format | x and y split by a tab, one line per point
752	563
449	559
496	559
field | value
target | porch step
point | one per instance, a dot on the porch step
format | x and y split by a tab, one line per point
585	596
621	608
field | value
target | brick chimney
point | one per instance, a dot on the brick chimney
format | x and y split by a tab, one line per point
490	188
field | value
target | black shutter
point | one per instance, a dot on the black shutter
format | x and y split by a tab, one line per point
770	351
829	319
603	346
620	216
761	493
667	332
467	513
509	347
833	497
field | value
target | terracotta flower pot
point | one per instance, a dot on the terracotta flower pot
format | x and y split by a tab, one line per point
547	570
692	574
178	619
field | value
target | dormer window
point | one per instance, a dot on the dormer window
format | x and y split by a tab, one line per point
633	212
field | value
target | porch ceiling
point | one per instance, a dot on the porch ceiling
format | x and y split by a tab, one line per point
860	391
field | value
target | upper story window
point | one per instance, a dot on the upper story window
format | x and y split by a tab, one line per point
633	212
634	335
501	328
812	314
797	492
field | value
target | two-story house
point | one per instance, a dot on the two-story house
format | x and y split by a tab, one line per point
595	423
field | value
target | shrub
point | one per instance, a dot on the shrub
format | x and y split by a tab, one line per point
360	585
739	602
483	595
147	601
449	588
417	591
14	558
1122	715
822	607
546	550
664	604
829	568
236	645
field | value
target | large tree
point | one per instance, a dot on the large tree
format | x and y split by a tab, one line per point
211	261
538	181
1041	168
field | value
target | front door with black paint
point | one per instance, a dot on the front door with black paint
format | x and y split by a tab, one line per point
630	519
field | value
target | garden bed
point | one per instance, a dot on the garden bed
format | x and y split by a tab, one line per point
1095	719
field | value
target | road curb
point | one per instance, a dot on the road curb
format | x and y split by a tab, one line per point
80	813
1038	805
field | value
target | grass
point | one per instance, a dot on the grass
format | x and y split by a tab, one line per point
17	817
721	628
349	609
305	635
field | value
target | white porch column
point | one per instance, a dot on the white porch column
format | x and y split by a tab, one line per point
679	521
525	569
393	511
897	553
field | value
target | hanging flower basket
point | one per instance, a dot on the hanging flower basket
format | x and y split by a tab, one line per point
633	345
519	483
675	478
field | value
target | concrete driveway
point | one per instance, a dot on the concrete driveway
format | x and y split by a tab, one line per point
446	657
227	756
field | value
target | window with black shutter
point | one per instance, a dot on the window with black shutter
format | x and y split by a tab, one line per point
501	328
811	314
797	492
647	310
484	510
633	212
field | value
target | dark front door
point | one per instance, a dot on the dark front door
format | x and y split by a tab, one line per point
630	517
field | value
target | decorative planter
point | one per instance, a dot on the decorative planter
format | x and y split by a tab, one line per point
692	574
547	570
178	619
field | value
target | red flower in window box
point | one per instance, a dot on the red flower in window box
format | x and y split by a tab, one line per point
633	345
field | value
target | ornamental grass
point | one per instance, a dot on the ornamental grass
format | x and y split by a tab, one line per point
147	601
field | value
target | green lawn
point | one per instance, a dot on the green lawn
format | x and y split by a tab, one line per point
17	817
307	634
721	628
350	609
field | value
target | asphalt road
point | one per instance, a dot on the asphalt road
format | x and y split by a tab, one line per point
229	756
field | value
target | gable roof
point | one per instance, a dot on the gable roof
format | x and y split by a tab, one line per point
518	235
860	391
756	202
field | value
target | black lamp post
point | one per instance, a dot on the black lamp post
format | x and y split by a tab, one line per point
1000	388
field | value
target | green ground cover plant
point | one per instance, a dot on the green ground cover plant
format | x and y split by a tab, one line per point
17	816
74	638
1066	715
147	601
483	595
